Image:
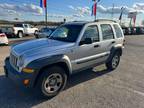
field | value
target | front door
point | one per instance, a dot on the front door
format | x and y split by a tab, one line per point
88	54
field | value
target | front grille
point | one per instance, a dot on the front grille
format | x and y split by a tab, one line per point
13	60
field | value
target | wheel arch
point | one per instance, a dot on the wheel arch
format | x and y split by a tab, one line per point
20	31
59	60
113	51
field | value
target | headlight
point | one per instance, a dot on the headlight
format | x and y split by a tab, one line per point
21	61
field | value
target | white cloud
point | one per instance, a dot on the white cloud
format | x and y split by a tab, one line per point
139	7
6	13
71	7
80	11
59	16
77	15
30	8
115	10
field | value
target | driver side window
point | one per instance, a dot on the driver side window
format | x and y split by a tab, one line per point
92	33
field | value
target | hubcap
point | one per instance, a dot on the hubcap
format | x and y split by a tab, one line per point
53	83
115	61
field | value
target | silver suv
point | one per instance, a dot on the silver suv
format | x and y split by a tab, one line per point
71	48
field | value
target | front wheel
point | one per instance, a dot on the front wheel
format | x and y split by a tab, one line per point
114	62
52	81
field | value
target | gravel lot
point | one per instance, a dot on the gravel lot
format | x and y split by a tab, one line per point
122	88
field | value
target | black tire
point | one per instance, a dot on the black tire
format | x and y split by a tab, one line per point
47	73
36	36
113	63
35	33
20	34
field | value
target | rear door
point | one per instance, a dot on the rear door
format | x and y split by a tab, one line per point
108	39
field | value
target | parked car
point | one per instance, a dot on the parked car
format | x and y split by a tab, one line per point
46	64
8	30
24	29
139	30
133	30
3	38
127	30
19	30
44	32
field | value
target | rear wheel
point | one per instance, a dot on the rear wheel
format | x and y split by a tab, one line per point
20	34
36	32
114	62
52	81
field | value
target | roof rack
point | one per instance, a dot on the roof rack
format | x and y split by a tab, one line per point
98	20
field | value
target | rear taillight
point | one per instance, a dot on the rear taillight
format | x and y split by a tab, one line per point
2	35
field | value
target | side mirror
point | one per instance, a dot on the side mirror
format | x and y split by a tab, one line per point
86	41
48	34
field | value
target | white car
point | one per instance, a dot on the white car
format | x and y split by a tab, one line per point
3	38
24	29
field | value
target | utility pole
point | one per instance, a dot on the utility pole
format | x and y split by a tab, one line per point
46	12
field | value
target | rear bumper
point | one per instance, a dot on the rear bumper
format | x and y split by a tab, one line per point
17	77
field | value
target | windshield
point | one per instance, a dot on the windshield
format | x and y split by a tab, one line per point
67	33
45	29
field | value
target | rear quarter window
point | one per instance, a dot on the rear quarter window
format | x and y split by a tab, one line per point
118	31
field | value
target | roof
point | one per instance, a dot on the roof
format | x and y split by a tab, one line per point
86	22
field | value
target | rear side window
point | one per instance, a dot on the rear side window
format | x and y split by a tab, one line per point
107	32
92	32
26	26
18	25
118	31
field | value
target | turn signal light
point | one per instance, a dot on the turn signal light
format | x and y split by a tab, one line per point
28	70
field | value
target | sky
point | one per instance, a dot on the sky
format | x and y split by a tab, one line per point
30	10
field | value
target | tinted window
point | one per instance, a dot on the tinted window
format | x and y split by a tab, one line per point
26	26
44	30
67	33
92	32
18	25
107	31
118	31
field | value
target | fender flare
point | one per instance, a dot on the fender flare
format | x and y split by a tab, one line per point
113	50
41	63
38	64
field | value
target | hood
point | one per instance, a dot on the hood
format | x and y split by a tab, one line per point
40	46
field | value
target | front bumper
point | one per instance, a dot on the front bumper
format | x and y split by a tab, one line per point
18	77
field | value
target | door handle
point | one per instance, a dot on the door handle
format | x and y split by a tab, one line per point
113	42
96	46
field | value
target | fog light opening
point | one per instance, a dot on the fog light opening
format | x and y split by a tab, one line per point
26	82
